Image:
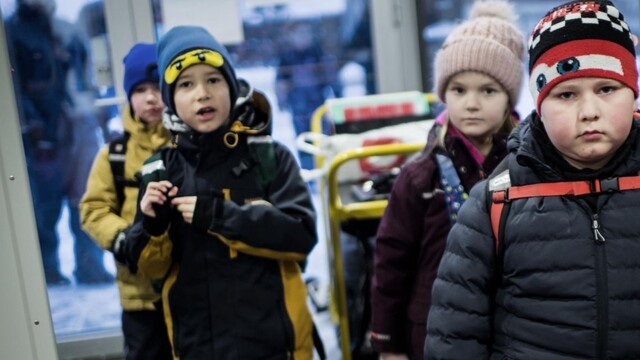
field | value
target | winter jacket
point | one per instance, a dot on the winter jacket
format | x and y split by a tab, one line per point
232	287
561	293
103	218
411	239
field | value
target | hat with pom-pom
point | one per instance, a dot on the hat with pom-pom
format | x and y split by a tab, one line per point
489	43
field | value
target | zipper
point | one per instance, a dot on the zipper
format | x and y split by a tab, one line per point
601	289
595	225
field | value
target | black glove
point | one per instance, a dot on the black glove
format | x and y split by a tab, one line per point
156	226
209	209
118	247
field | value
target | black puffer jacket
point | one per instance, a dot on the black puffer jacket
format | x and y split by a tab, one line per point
561	294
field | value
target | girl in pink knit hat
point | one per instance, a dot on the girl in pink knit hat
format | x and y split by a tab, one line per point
478	74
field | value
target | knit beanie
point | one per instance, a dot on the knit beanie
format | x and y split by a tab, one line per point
489	43
184	46
139	66
580	39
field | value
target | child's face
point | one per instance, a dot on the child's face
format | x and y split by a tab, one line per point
476	104
588	119
146	102
202	98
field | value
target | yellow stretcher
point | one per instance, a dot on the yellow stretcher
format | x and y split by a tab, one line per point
335	212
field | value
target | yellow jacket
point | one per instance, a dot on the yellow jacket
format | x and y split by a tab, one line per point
99	205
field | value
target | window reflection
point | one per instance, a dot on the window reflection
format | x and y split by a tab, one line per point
50	48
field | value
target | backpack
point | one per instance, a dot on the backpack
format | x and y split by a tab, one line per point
117	155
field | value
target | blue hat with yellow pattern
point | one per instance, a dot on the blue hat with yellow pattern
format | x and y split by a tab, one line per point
184	46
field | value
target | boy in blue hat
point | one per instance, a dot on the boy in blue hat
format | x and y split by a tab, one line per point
109	204
234	208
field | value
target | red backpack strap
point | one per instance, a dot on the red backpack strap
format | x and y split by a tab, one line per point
502	193
575	188
497	207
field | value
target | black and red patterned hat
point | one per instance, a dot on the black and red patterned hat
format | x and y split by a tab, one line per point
581	39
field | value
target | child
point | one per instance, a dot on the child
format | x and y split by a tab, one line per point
557	277
478	76
234	208
108	205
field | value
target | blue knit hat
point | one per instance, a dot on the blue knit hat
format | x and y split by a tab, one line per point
139	66
200	48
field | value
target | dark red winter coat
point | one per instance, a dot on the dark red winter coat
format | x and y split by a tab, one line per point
411	239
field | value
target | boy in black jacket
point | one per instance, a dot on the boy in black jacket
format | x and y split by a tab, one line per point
235	209
554	274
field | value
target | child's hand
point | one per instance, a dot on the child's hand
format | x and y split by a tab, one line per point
393	356
157	193
186	205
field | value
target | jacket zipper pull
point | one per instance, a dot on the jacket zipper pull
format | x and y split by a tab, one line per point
595	225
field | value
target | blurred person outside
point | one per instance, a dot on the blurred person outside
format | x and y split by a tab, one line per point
60	131
307	75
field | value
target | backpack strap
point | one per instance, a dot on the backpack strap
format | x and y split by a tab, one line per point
454	193
502	193
498	184
117	155
263	155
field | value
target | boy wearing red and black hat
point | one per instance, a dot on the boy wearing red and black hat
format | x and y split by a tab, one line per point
553	275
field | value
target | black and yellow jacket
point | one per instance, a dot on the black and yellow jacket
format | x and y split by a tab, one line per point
233	288
103	217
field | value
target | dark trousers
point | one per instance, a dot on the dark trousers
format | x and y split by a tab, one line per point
145	335
48	196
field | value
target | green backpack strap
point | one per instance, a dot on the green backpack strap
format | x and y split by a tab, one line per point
154	169
262	150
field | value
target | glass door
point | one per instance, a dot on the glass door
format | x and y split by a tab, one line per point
59	54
